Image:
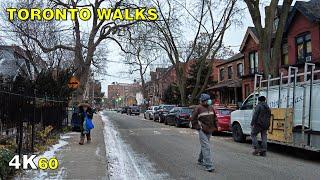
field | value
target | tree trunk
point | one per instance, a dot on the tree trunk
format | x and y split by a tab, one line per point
181	82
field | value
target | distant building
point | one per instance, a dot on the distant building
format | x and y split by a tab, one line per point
123	94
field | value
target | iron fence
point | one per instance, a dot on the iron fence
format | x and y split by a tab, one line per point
22	113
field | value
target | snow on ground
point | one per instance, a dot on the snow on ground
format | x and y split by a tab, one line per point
124	163
41	174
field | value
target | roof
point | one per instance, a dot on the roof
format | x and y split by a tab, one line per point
232	59
228	84
12	58
253	33
309	9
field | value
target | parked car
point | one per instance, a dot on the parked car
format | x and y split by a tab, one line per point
223	116
178	116
149	114
119	110
133	110
124	110
162	111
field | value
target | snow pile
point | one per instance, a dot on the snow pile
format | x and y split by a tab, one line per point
123	162
41	174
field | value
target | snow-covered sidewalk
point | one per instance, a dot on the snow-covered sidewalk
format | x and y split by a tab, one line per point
76	161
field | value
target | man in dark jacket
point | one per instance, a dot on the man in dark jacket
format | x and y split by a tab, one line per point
203	119
260	124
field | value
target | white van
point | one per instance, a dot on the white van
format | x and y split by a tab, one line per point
306	120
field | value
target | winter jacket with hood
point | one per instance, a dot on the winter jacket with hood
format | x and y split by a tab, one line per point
261	116
203	117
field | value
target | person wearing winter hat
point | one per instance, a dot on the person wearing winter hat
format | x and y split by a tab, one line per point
203	119
260	124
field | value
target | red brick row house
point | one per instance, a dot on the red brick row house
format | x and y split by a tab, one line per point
163	77
301	43
228	89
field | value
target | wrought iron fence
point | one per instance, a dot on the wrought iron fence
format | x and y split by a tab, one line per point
22	113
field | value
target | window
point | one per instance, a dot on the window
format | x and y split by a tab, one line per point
285	57
230	72
304	49
240	70
221	74
254	62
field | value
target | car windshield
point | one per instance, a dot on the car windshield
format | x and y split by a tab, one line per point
224	111
134	107
186	110
168	108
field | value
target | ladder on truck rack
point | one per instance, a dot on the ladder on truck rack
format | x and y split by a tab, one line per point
292	73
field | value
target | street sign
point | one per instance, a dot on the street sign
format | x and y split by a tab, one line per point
73	83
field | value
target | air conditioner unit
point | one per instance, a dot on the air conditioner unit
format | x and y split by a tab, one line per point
308	59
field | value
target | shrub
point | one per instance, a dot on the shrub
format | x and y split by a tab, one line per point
5	158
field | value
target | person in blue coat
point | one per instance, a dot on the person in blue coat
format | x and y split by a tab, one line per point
85	111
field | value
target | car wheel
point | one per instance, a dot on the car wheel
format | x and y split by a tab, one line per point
177	124
165	121
237	133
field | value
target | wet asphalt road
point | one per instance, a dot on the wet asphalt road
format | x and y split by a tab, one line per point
174	151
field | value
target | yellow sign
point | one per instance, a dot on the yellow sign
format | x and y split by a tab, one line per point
73	83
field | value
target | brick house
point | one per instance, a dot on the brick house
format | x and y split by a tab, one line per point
228	89
302	36
162	78
301	43
250	49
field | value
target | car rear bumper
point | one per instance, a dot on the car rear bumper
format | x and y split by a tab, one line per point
223	126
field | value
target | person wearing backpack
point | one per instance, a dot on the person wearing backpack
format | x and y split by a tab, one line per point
260	124
85	112
203	119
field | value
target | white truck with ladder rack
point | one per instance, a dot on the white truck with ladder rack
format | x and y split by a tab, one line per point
295	104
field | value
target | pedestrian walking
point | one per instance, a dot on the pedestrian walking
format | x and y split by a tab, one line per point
260	124
203	119
85	116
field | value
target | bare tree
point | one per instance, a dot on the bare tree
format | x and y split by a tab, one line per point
49	33
85	40
270	40
140	53
210	18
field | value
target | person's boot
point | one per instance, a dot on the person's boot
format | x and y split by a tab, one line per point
255	152
88	138
263	153
81	141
